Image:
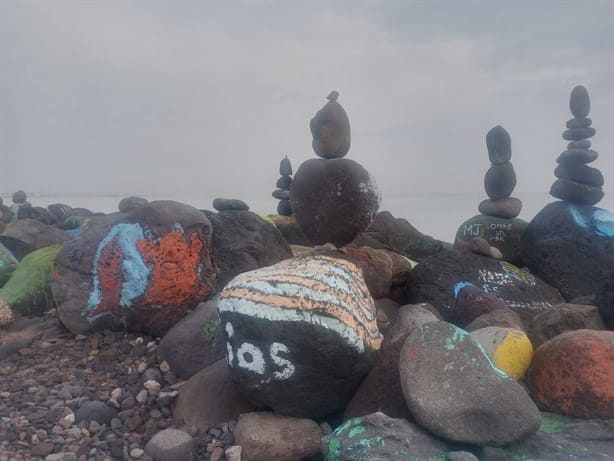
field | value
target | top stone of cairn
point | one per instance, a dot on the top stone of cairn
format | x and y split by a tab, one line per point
499	145
579	102
330	128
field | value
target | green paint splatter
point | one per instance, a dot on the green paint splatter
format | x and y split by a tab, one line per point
334	450
210	329
552	423
356	430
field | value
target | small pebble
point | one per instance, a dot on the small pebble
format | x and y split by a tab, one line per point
164	366
137	453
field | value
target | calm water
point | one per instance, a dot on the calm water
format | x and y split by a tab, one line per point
436	215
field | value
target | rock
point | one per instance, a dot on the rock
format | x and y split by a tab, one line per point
284	208
505	318
461	456
285	167
330	128
576	134
579	172
349	192
302	333
8	264
210	397
379	437
95	410
582	144
381	389
26	235
436	280
6	313
195	342
581	122
577	155
561	318
281	194
479	246
376	267
604	299
266	436
575	192
19	197
572	374
233	453
560	439
495	253
386	310
41	214
506	208
28	291
284	182
499	145
128	204
140	271
171	445
242	241
504	234
471	303
499	181
229	204
60	211
579	102
440	365
570	247
510	350
289	228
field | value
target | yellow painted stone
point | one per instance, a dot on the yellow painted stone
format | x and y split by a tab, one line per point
510	350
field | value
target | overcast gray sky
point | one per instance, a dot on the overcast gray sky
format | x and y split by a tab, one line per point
197	97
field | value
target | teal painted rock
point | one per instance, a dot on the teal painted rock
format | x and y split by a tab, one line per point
28	291
8	264
379	437
455	391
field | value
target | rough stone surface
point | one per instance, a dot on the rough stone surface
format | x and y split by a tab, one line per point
265	436
330	128
499	181
470	303
505	318
284	208
604	299
576	192
26	235
571	247
437	279
573	374
452	389
350	195
302	333
499	145
579	102
230	204
195	342
579	172
289	228
561	318
171	445
130	203
507	208
95	411
376	267
137	271
510	350
379	437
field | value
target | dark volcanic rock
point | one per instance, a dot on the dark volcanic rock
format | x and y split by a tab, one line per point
284	182
26	235
471	303
285	167
499	145
576	134
242	241
507	208
229	204
452	389
19	197
505	318
500	180
289	228
579	102
348	192
95	411
140	271
130	203
575	192
582	144
604	299
581	122
301	334
436	279
60	211
281	194
571	247
578	155
579	172
330	128
284	208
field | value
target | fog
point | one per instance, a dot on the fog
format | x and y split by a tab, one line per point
205	98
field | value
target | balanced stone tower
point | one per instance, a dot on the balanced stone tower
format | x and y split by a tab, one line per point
498	223
282	193
333	198
578	183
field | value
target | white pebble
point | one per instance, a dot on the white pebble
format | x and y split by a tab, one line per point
141	397
233	453
164	366
137	453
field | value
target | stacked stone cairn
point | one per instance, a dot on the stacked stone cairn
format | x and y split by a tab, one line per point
282	193
578	183
333	198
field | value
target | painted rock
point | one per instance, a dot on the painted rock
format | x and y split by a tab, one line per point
302	333
573	374
26	235
330	128
501	233
576	192
8	264
571	247
242	241
381	389
453	389
499	145
138	271
499	181
510	350
561	318
350	195
436	280
579	102
379	437
470	303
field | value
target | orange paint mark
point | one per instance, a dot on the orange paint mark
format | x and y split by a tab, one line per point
174	262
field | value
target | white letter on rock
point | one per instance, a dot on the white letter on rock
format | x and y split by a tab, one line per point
256	364
287	368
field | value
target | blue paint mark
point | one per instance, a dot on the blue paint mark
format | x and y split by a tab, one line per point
134	270
73	232
458	286
178	227
604	222
578	217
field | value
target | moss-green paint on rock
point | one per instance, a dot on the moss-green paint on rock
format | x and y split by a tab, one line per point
8	264
210	329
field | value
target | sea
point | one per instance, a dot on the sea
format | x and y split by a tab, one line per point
436	215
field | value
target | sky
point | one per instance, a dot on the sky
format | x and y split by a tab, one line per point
204	98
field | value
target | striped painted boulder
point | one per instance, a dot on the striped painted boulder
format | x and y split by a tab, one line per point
301	334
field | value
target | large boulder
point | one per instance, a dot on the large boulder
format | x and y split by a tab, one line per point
139	271
437	280
349	193
26	235
453	389
8	264
242	241
571	247
573	374
379	437
302	333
